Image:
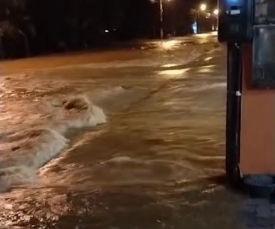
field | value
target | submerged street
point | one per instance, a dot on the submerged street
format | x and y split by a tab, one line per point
153	157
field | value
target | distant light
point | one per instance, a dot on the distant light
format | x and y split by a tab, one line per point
203	7
106	31
195	27
233	1
216	12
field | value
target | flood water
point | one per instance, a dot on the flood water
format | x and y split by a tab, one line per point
131	138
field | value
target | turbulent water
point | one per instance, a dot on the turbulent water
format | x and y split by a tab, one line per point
37	113
113	139
25	147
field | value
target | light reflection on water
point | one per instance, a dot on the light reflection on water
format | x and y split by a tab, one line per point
169	65
171	73
151	163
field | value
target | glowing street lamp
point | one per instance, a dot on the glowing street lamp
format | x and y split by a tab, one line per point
216	14
203	7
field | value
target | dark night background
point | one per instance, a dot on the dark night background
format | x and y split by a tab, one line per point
32	27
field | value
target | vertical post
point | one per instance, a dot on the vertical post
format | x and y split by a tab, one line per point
161	18
198	20
233	115
1	49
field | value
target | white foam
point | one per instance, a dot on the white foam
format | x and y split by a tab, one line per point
182	57
150	62
27	151
106	94
208	87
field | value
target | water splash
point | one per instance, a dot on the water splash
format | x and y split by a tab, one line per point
33	148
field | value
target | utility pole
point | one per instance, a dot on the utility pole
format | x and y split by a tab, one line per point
161	18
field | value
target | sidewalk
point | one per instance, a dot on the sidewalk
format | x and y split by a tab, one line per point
259	214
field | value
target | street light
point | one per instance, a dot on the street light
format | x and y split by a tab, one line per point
161	14
203	7
216	13
161	17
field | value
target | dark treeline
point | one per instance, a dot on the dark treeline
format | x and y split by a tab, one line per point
32	27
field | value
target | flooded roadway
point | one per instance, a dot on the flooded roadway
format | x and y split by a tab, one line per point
158	160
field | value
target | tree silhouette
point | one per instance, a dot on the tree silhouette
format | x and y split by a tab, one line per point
42	26
13	20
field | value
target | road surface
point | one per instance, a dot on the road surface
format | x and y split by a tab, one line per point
130	138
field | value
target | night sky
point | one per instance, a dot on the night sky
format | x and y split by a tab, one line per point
60	25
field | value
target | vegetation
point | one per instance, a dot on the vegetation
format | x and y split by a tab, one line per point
31	27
